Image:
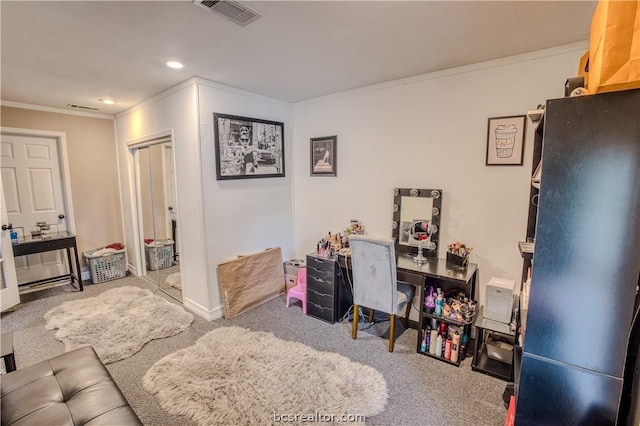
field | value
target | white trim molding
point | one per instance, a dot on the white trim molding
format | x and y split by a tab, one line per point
11	104
208	314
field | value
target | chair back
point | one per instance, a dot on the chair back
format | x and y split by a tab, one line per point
302	278
374	273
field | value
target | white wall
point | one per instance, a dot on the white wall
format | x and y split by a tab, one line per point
217	220
425	132
174	111
245	215
429	132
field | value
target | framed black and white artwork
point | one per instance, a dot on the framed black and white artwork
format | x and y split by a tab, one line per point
324	156
248	147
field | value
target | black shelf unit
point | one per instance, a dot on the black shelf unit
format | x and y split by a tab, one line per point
527	247
575	362
441	274
462	324
481	360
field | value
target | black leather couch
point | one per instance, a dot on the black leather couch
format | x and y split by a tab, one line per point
74	388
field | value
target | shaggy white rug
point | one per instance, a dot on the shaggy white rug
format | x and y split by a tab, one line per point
174	280
117	323
234	376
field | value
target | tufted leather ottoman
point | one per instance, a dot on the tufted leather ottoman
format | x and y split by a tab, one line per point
74	388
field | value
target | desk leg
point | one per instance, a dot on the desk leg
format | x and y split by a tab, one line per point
9	362
78	271
474	284
77	275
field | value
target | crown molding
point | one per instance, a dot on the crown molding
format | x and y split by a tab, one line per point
32	107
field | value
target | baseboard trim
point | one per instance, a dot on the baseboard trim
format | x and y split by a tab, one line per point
208	314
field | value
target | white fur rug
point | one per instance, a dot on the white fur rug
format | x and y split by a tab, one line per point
234	376
174	280
117	323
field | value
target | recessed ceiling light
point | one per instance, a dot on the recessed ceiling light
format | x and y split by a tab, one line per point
174	64
107	101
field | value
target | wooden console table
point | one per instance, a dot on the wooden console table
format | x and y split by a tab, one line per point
59	241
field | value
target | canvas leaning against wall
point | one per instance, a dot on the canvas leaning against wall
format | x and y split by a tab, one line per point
248	147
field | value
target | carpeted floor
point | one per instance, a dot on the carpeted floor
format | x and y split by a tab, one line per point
422	390
160	277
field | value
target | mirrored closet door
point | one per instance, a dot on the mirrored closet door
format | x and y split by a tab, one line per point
158	216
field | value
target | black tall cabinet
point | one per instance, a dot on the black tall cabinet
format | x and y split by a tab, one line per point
583	296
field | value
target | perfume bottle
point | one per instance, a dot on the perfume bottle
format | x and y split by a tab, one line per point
430	301
439	303
427	338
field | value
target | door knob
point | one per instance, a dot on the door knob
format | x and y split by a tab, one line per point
60	216
5	227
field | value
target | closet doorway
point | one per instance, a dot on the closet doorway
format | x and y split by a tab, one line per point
157	214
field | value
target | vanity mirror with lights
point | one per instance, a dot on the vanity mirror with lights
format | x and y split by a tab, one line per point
416	220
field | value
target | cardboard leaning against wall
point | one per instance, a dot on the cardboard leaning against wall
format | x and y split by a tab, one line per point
250	280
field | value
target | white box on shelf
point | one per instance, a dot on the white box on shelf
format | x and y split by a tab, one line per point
498	299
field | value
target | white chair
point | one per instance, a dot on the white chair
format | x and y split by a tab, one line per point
375	284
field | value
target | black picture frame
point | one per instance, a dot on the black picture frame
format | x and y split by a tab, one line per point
248	148
324	156
505	140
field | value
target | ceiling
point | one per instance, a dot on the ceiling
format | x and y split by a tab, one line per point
56	53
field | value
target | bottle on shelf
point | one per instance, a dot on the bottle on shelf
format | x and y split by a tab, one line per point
455	346
443	329
433	341
427	339
439	346
430	301
447	347
464	339
439	303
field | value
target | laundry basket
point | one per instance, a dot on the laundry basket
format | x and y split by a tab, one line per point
158	254
106	265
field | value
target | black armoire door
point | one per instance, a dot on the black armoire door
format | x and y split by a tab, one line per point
587	262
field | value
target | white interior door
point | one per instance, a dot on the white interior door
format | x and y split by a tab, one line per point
9	295
32	187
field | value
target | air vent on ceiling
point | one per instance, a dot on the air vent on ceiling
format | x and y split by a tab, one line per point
232	10
83	107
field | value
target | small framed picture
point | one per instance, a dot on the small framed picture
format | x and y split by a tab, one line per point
324	156
248	147
505	141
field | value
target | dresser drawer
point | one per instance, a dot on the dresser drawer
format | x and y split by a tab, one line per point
410	278
321	263
36	246
320	275
321	285
321	312
319	297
